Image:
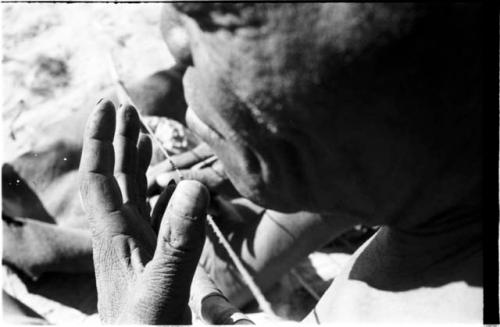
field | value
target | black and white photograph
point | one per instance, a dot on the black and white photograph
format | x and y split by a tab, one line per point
229	163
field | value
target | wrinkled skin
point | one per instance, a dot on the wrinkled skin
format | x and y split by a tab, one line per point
365	112
140	278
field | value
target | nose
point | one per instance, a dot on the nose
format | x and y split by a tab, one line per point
175	35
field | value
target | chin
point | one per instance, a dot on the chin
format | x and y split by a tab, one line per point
270	195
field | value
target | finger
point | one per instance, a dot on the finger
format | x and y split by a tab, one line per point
208	176
210	304
127	133
189	158
213	177
183	160
183	225
180	241
161	205
153	172
144	153
98	188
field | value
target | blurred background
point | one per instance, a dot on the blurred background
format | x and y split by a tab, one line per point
55	60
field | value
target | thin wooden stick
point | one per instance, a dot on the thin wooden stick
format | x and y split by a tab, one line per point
257	293
304	284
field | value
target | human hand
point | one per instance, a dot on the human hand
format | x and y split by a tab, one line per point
141	278
199	164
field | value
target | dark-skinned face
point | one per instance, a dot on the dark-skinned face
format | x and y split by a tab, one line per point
365	110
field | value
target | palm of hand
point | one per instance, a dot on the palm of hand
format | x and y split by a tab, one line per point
140	279
120	259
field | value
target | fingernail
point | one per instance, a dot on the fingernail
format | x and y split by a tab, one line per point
190	198
100	100
187	210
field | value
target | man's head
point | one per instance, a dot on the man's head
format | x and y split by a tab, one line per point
368	110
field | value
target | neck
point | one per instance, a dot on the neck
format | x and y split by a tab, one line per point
453	233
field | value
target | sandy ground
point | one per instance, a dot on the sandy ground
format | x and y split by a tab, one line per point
54	64
55	60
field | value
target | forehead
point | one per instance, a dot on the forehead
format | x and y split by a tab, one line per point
315	21
282	38
279	49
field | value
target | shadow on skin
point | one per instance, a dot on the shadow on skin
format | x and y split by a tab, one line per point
386	265
40	167
77	291
161	94
19	199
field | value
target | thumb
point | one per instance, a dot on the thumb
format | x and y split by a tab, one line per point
183	226
167	278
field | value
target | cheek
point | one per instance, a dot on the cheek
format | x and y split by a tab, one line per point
241	164
209	121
